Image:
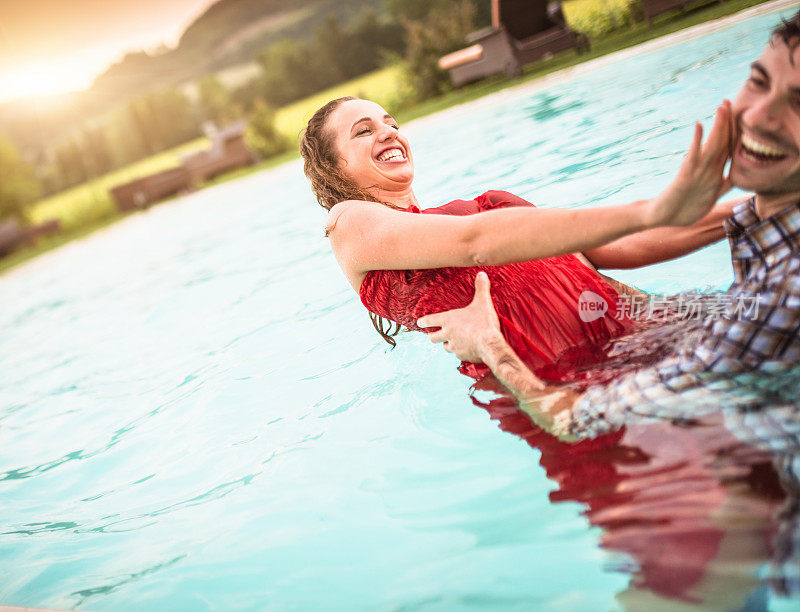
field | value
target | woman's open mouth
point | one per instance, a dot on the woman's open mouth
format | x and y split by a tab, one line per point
395	154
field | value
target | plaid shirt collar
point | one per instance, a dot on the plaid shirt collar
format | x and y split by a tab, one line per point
757	242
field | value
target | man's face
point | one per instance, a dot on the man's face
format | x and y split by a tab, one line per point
766	113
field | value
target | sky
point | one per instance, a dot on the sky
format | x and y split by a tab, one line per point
53	46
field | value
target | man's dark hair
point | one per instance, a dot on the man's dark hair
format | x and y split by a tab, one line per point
788	31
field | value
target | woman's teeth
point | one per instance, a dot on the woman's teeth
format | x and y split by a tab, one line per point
760	151
391	155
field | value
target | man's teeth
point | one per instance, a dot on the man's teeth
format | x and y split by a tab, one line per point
390	155
760	149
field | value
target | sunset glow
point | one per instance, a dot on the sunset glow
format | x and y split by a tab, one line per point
53	46
42	79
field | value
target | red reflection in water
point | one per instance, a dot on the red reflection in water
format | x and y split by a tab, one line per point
692	506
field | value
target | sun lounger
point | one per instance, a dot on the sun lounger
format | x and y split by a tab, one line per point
522	32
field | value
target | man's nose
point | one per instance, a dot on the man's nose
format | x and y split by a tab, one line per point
764	112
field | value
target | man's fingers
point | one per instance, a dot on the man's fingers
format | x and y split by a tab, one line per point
437	336
695	149
731	130
431	320
718	129
482	287
719	138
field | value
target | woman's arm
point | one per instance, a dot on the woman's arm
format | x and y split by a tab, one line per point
663	243
369	236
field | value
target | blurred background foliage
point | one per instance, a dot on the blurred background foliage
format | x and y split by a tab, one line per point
18	186
267	61
598	17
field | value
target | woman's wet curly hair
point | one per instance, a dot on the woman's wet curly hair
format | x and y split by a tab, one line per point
331	185
320	158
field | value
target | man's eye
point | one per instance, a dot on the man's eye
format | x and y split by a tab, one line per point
757	81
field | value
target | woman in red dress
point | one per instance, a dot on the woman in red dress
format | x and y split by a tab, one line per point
406	262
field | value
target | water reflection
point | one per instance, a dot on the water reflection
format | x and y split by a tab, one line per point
698	495
698	516
547	106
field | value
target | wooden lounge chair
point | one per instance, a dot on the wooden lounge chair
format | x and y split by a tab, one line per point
652	8
522	32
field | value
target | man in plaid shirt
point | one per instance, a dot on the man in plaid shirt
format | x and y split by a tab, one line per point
728	365
764	235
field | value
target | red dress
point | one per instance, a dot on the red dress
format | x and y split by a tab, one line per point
536	301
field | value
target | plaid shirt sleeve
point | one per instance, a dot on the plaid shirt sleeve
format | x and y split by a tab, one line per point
760	333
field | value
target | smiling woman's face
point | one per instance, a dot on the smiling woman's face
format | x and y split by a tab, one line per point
372	151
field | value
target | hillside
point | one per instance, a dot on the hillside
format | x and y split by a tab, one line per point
229	33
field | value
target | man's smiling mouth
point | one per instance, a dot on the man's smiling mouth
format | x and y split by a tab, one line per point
757	151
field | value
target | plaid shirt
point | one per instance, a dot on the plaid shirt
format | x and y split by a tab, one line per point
728	359
744	367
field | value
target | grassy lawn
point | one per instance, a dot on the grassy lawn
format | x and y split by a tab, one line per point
90	202
89	207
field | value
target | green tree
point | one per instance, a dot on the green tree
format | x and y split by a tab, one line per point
19	185
140	121
292	72
71	162
418	10
262	136
442	32
370	42
162	119
246	95
97	151
216	103
332	48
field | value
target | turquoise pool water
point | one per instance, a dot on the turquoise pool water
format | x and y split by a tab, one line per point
197	414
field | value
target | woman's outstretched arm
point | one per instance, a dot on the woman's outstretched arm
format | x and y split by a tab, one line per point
368	236
663	243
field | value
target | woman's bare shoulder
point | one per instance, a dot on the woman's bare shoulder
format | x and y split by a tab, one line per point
354	209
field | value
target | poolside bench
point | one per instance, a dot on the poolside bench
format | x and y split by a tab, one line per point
522	32
492	53
14	235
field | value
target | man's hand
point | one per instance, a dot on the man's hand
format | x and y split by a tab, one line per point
466	332
473	334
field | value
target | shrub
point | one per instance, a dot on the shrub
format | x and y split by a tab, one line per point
441	32
19	186
595	18
262	136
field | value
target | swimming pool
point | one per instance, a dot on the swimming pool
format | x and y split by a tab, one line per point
197	414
